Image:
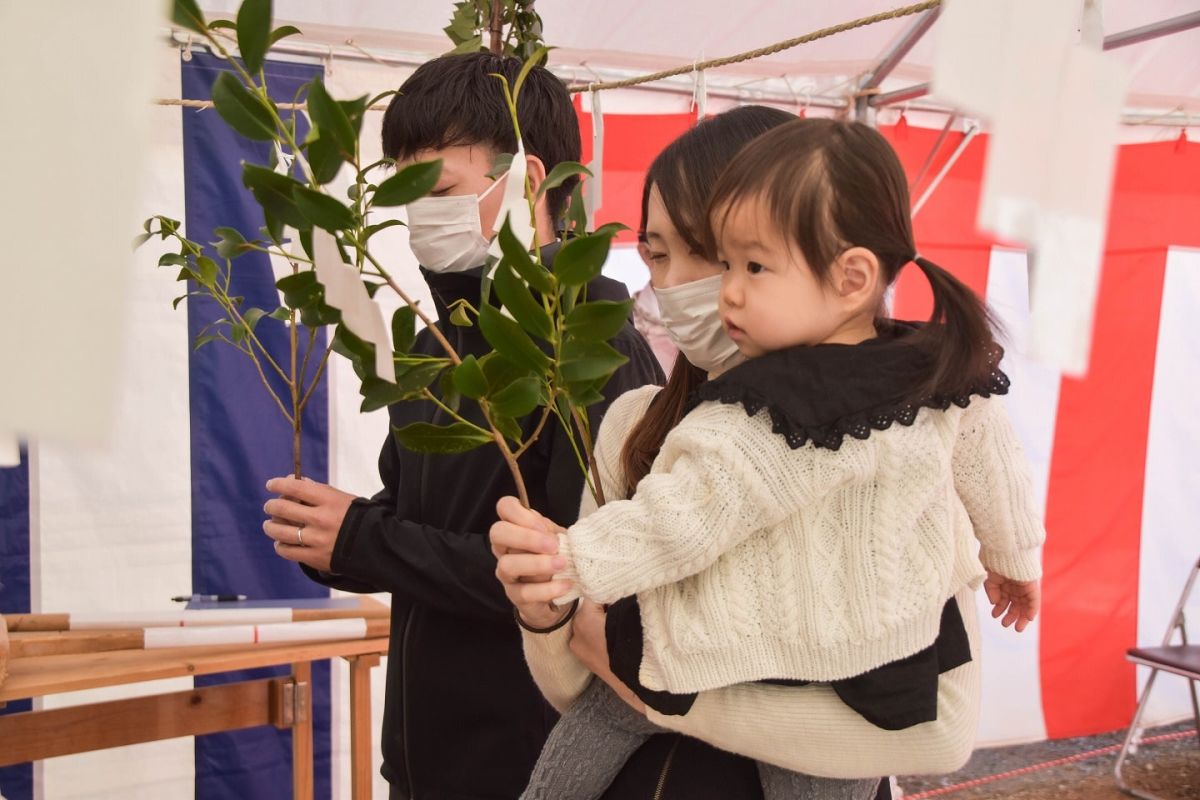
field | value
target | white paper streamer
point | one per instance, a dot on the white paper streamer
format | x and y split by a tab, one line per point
514	205
700	96
1050	163
344	291
594	194
198	637
349	628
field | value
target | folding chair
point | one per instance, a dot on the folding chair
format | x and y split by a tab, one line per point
1178	659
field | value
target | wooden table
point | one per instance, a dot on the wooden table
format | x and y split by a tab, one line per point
284	702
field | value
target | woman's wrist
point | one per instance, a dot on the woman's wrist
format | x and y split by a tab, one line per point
550	623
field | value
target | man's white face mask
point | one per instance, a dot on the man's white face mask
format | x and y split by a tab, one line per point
444	232
693	322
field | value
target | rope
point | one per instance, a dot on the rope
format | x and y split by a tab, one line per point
1058	762
202	104
700	66
787	44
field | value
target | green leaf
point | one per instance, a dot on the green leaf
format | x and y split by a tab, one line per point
562	171
469	378
222	23
141	239
519	301
187	14
283	314
459	316
352	347
319	314
322	210
230	242
472	45
173	260
241	109
371	230
203	340
325	158
409	383
254	32
580	260
449	392
300	289
500	372
509	340
588	361
379	97
518	398
207	271
519	259
422	437
282	32
404	329
507	426
576	216
415	180
330	117
599	320
529	64
252	316
274	192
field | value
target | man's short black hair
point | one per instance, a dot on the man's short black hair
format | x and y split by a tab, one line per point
456	100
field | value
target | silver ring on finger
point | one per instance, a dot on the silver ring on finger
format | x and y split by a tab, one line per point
300	536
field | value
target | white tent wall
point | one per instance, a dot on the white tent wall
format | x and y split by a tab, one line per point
111	528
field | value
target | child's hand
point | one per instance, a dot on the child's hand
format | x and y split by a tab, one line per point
1017	601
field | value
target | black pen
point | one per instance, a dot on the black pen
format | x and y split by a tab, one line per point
210	598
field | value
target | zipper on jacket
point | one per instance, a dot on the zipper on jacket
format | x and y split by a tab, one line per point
662	778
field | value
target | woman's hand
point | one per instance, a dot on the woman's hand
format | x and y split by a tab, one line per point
1016	601
590	645
526	547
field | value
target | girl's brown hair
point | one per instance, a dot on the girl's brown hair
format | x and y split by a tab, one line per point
830	185
684	173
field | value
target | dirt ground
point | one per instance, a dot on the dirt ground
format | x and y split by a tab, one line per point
1170	769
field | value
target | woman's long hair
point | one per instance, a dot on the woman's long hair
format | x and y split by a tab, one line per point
684	173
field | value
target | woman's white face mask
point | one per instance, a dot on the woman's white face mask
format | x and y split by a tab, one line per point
693	322
444	233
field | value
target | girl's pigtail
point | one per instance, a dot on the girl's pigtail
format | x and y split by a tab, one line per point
959	338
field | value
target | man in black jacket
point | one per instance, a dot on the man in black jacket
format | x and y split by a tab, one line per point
463	720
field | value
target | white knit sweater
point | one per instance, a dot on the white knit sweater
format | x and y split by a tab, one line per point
866	543
807	729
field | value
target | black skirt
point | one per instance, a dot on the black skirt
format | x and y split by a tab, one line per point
894	696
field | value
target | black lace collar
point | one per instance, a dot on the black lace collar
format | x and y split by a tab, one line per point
824	393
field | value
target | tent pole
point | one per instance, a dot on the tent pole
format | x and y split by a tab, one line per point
891	59
1145	33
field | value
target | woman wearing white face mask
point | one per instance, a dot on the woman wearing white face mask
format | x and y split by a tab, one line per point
807	730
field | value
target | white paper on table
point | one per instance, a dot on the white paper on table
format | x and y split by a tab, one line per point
198	637
319	630
514	205
344	290
10	450
65	297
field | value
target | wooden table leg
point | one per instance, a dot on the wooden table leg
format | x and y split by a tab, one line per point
360	725
302	732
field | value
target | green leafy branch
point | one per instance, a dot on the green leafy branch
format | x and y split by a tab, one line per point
513	27
550	354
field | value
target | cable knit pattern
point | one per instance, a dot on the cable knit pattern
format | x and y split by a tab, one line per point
807	729
868	542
